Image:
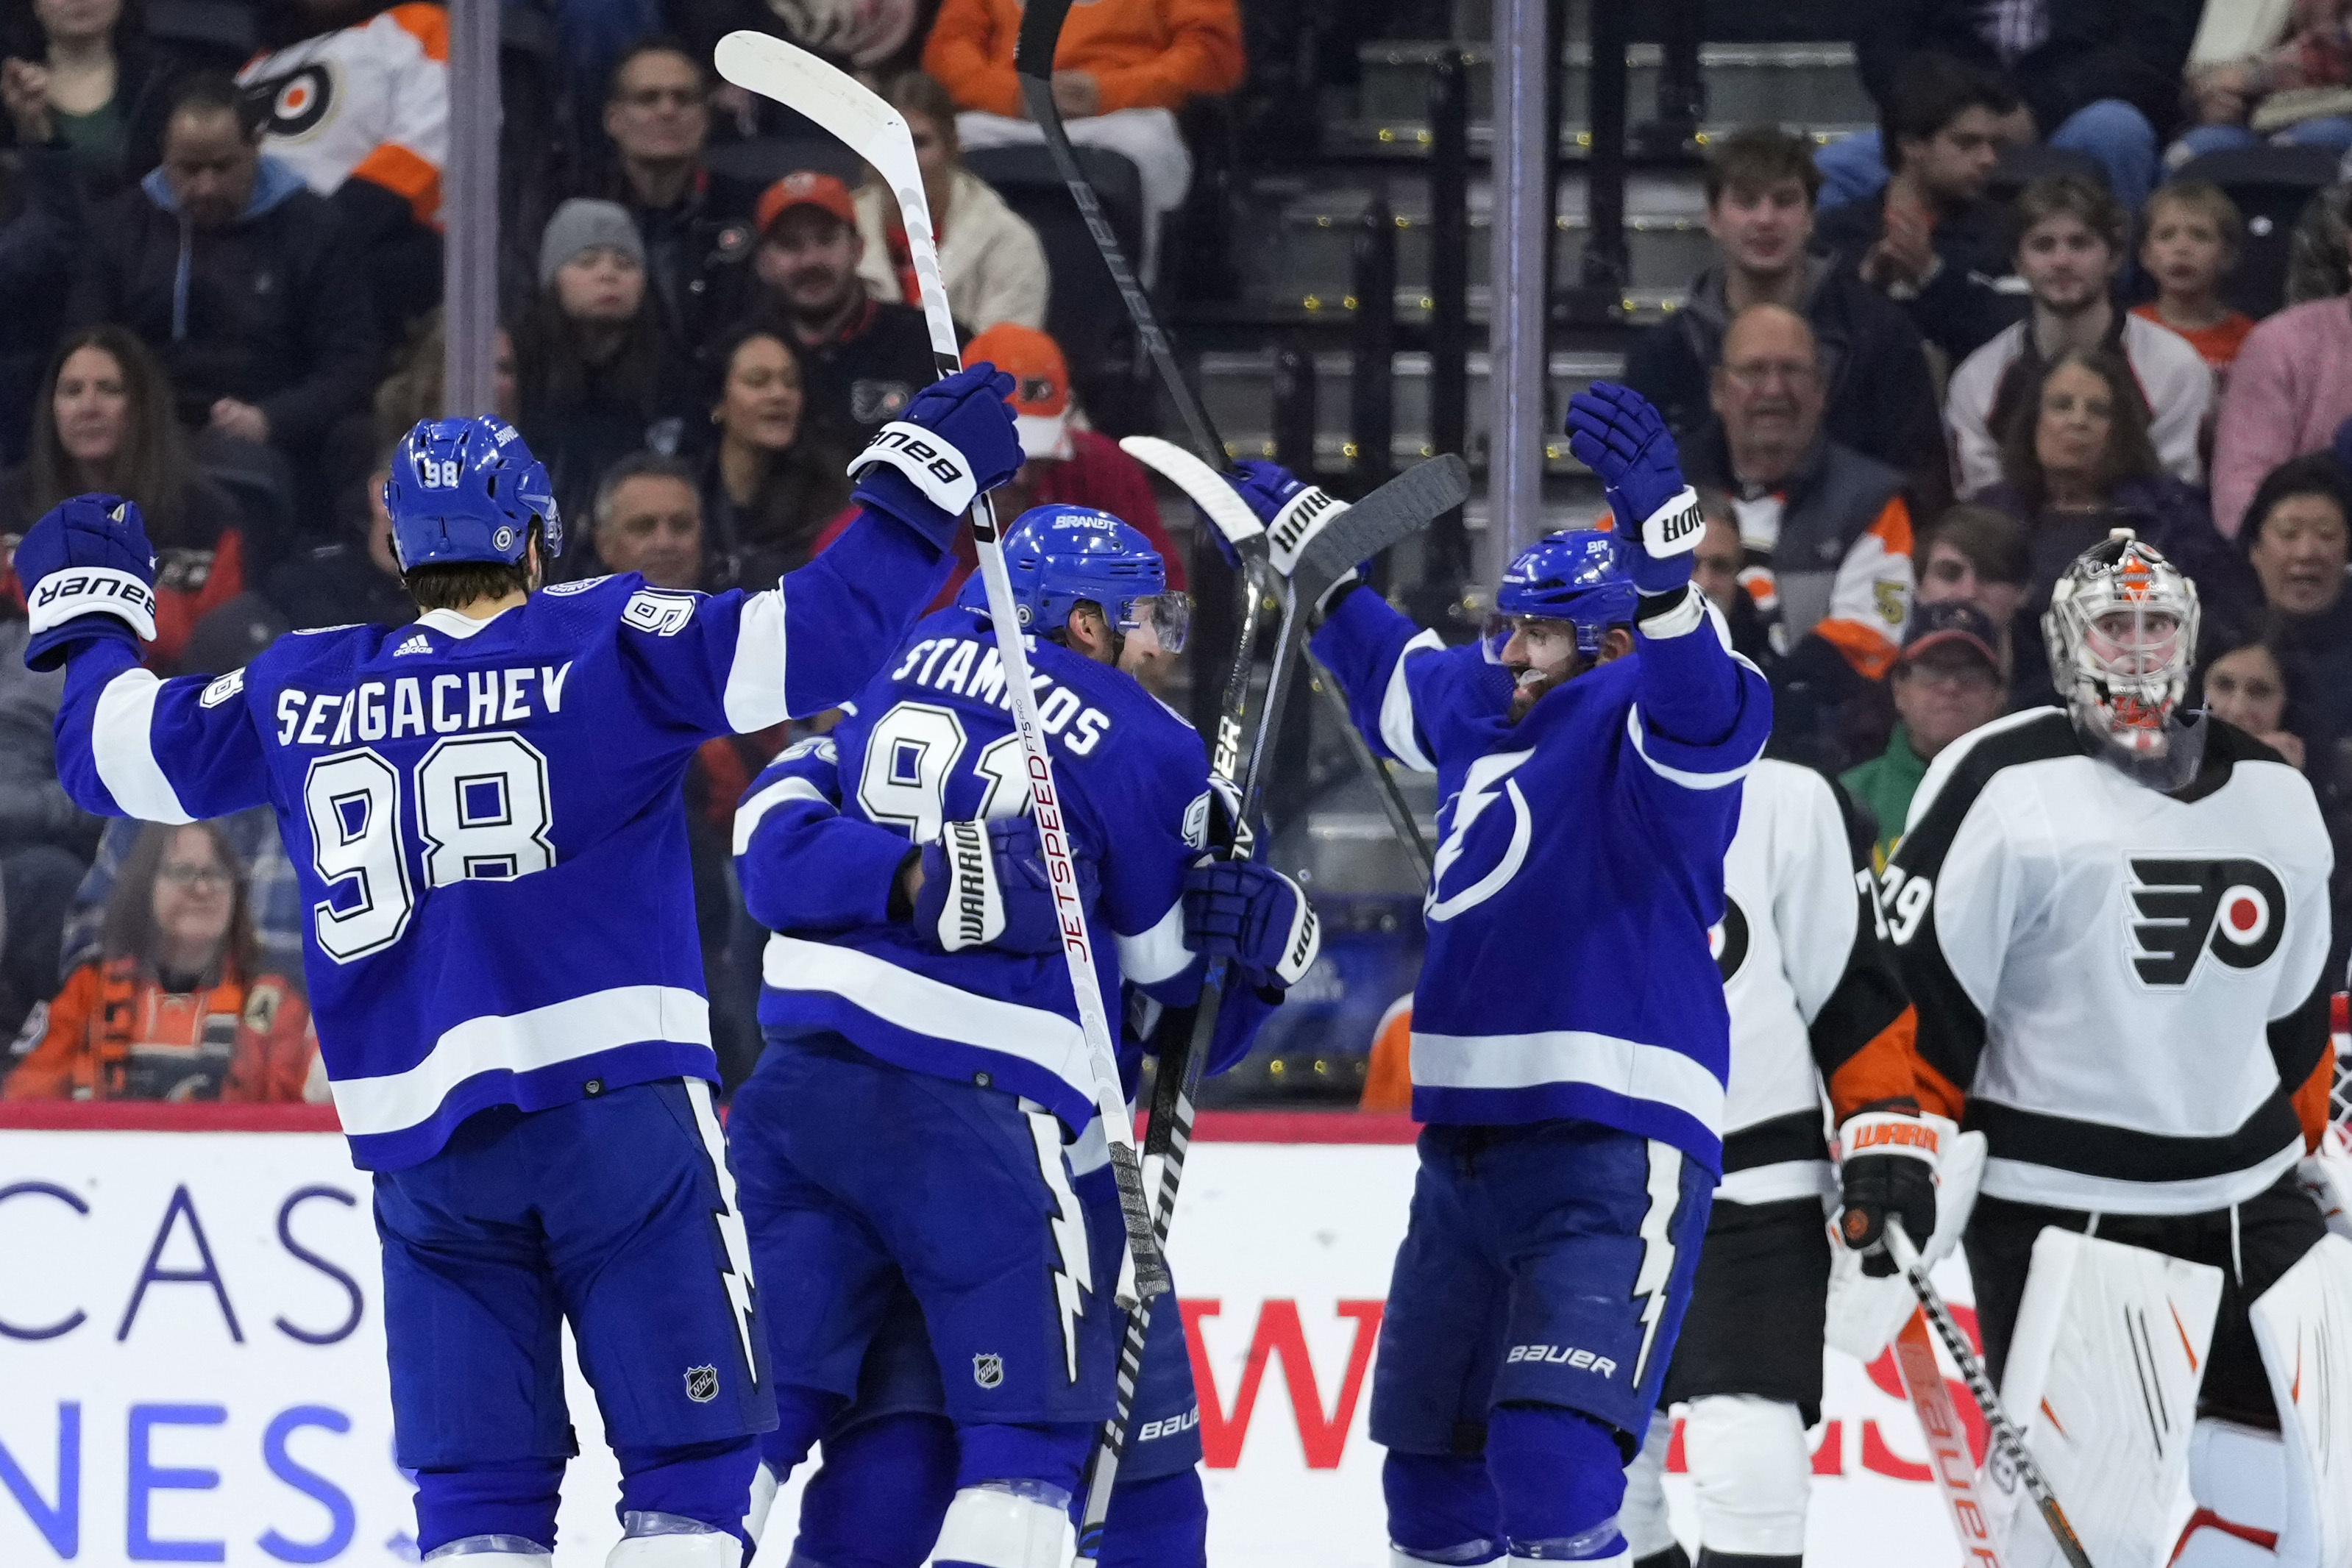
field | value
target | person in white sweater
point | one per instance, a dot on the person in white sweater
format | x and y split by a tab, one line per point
989	255
2071	243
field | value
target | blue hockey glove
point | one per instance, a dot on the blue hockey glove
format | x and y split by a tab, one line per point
88	572
1887	1162
1253	916
955	441
1614	431
984	886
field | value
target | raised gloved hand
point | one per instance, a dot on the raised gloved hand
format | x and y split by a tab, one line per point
1253	916
89	573
984	886
1888	1161
1615	432
955	440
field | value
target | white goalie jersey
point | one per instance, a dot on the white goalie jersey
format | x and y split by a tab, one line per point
1812	995
2124	986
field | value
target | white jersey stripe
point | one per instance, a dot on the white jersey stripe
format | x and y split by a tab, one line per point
1688	779
122	745
754	698
1156	955
920	1005
1652	1073
1396	710
748	814
520	1042
1779	1183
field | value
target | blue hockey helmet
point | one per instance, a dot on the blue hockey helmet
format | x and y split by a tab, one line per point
467	490
1058	556
1577	575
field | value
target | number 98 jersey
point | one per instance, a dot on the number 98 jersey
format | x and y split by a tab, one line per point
486	817
821	835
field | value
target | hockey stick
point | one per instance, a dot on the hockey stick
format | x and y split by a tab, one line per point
1033	62
876	132
1342	538
1953	1467
1409	491
2007	1440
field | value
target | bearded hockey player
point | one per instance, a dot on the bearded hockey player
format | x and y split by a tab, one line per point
483	808
1813	1000
920	1128
2111	917
1570	1038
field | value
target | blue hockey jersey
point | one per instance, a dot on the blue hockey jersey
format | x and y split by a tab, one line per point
1580	866
821	834
486	817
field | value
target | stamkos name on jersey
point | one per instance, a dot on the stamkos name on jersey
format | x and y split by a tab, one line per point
420	705
1566	1356
970	669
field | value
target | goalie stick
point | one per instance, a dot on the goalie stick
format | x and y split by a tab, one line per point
1033	63
2007	1440
1345	536
876	132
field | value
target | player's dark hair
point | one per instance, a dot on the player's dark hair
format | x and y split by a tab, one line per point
454	584
2130	455
209	92
1932	90
152	466
654	44
2314	474
1755	158
2078	195
127	929
1993	542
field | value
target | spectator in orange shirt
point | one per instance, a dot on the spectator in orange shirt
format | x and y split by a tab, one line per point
1120	72
2191	232
175	1007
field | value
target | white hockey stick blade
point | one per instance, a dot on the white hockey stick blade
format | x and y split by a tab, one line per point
1203	486
764	64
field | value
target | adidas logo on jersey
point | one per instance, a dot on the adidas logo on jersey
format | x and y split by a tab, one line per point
419	644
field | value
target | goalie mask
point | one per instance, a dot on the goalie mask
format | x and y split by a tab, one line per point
2122	632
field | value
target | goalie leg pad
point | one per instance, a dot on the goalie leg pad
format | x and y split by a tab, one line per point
2104	1366
2303	1326
2237	1475
1442	1509
1648	1528
1753	1474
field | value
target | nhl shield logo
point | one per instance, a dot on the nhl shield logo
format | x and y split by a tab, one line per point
702	1384
988	1370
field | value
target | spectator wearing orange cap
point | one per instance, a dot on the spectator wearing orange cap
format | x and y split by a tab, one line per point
1120	72
861	358
991	258
1068	463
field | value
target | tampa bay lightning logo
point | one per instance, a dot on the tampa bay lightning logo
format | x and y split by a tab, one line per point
1489	781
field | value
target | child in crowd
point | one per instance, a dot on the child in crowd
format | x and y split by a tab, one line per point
2190	233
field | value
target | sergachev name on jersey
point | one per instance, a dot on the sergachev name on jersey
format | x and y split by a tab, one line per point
421	704
965	668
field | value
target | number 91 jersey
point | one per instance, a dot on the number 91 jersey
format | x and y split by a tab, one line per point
821	835
485	820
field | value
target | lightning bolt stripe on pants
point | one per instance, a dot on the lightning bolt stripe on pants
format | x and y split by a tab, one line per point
1069	1226
1657	1244
728	1216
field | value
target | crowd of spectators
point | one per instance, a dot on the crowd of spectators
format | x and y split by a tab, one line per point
222	264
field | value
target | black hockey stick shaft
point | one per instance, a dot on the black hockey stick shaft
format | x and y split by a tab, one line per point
1033	62
2005	1434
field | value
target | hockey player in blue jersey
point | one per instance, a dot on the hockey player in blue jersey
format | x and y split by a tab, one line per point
921	1125
1570	1039
483	811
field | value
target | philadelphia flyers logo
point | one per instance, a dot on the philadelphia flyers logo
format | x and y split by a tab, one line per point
2181	909
1728	939
292	105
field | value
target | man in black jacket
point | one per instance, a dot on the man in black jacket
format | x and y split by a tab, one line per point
697	226
2100	76
1877	397
239	278
1930	241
